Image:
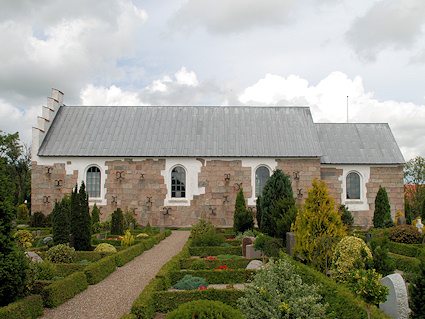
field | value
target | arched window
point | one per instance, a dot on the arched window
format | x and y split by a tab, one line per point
262	174
353	186
178	181
93	181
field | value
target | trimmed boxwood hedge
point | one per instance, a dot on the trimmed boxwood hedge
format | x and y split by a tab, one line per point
343	304
406	264
60	291
89	255
409	250
28	307
63	270
214	251
165	301
99	270
215	276
215	263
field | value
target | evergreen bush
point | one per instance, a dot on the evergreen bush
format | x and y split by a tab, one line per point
209	238
207	309
105	248
128	239
270	246
13	263
417	292
188	282
129	218
346	217
117	222
46	270
383	263
200	227
382	215
37	220
60	221
406	234
22	212
277	291
198	264
95	220
61	253
318	220
242	218
80	220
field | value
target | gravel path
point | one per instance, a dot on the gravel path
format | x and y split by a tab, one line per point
113	296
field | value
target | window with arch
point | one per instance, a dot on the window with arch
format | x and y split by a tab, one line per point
178	182
353	186
262	174
93	181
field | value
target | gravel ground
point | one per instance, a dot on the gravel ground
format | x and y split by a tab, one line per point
113	296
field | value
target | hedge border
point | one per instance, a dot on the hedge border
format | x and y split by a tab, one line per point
28	307
215	263
214	251
213	277
409	250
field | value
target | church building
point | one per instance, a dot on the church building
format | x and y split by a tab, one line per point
176	164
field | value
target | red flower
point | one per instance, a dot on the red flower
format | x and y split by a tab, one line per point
222	268
210	257
229	239
202	288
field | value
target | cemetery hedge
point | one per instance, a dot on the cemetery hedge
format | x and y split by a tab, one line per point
99	270
214	251
28	307
406	264
215	276
215	263
409	250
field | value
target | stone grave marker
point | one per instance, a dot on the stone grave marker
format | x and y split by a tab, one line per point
162	229
290	242
397	305
419	225
369	237
38	233
251	252
47	239
246	241
254	264
100	236
401	220
33	256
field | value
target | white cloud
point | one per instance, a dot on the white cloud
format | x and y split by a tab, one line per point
112	96
393	24
225	16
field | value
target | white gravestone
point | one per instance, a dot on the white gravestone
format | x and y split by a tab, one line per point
396	306
419	225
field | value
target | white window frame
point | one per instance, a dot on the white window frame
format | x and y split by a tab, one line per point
100	181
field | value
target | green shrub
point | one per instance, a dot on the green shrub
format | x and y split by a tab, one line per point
28	307
129	218
60	291
105	248
279	292
209	238
406	234
60	221
246	233
382	261
231	257
200	228
79	218
100	269
128	239
165	301
188	282
117	222
89	255
205	309
242	217
239	263
63	270
409	250
382	214
37	219
61	253
22	212
417	292
346	217
270	246
198	264
95	220
214	251
46	270
351	253
215	276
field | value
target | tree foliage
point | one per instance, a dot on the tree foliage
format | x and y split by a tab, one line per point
417	292
80	220
13	263
60	221
382	215
317	219
271	209
382	261
414	179
242	217
117	222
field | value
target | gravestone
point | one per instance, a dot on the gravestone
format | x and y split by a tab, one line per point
401	220
100	236
38	233
251	252
246	241
254	264
369	237
419	225
35	258
47	239
396	306
162	230
290	243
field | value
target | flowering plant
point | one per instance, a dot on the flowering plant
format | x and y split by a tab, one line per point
230	239
222	268
210	257
202	288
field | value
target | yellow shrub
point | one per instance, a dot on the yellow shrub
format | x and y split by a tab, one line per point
128	239
105	248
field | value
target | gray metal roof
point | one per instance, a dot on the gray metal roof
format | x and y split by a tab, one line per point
167	131
349	143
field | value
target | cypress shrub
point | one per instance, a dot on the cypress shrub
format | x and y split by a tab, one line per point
80	220
60	222
242	218
13	263
382	215
407	211
22	212
95	214
117	223
318	220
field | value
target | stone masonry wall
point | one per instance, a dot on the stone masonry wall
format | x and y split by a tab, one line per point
331	177
49	183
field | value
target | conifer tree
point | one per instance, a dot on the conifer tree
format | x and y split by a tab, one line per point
417	293
80	220
317	219
95	215
13	263
60	222
407	212
242	218
382	214
277	186
117	222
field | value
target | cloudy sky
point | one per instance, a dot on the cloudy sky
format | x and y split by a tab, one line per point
219	52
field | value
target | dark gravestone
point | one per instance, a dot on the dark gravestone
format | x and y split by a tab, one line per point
100	236
369	237
401	220
38	233
246	241
290	243
47	239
